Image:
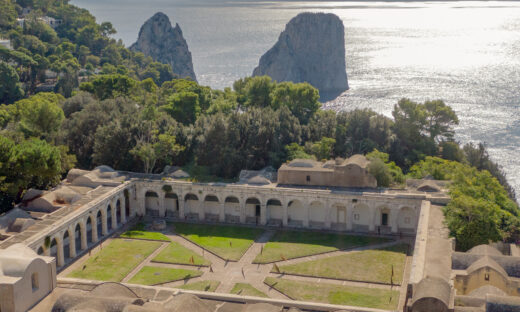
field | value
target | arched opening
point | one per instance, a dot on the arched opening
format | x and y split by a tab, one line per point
317	215
77	237
384	220
339	217
127	204
296	213
40	251
151	204
54	248
232	209
99	223
361	218
35	282
66	245
211	208
171	203
191	207
253	210
118	212
109	218
274	212
89	229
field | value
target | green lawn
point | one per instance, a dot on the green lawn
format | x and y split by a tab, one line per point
116	260
368	266
336	294
139	232
228	242
178	254
209	286
244	289
294	244
156	275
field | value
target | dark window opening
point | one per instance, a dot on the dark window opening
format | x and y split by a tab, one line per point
308	178
34	280
486	276
257	211
354	200
384	219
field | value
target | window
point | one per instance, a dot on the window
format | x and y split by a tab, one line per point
34	281
308	178
384	219
356	216
354	200
486	276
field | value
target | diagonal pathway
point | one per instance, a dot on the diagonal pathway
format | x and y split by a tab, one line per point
144	263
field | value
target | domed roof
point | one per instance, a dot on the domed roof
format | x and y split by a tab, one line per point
259	180
481	292
15	260
433	287
113	290
486	250
358	160
303	163
486	262
186	302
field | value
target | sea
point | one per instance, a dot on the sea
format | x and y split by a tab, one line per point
466	53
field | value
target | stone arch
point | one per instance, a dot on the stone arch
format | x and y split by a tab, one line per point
407	219
68	236
40	251
151	203
361	218
118	212
89	227
191	206
232	209
100	221
275	211
77	237
296	212
211	207
126	194
253	210
317	214
109	217
383	217
339	215
171	204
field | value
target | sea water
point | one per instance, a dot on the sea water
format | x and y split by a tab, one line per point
466	53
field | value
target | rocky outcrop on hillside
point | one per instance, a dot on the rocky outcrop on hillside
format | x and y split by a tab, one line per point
310	49
165	44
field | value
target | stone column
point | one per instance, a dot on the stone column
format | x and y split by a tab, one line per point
222	212
114	213
350	215
306	208
180	202
60	259
394	222
242	211
162	209
263	213
123	209
95	230
373	217
285	216
83	232
327	214
201	209
104	225
72	244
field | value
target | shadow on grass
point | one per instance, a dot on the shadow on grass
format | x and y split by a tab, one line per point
224	231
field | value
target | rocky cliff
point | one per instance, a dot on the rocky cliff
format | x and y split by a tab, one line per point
310	49
165	44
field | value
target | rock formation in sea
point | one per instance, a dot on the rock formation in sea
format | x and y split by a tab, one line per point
310	49
165	44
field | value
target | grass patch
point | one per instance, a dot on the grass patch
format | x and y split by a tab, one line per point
228	242
209	286
116	260
139	232
177	254
245	289
336	294
294	244
367	266
156	275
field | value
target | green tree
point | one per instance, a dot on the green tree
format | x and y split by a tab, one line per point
40	115
323	149
295	151
184	106
254	91
386	172
10	87
109	86
440	120
301	99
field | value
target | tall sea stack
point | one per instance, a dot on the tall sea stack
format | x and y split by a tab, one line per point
165	44
310	49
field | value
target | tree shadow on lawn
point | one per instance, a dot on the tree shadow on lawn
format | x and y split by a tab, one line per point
223	231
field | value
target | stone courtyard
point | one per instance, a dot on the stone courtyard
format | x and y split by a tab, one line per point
245	271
